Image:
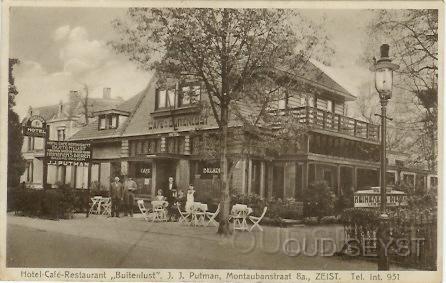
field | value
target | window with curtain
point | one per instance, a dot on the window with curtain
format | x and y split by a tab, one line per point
162	93
60	134
102	122
171	98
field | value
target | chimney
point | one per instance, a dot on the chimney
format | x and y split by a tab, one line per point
30	111
106	94
60	107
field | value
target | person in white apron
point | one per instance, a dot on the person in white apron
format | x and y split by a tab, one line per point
190	197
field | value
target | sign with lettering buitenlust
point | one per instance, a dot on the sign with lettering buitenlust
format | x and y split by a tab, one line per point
35	127
372	198
68	153
180	121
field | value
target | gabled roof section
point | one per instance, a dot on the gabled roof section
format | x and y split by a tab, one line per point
91	131
316	74
143	106
47	112
95	104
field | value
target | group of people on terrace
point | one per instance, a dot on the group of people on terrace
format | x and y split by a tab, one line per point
122	196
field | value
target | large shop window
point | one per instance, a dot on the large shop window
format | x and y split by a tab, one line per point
187	94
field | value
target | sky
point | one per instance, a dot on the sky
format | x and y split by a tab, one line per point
61	49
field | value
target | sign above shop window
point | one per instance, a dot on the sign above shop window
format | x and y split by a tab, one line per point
68	153
209	169
143	170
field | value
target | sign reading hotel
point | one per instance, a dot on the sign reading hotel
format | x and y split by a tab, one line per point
35	127
68	153
372	198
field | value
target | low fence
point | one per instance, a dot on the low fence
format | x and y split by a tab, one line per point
412	243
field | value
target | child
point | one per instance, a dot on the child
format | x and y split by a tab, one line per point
159	195
190	197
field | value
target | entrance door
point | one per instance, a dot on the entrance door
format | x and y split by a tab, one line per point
164	170
278	177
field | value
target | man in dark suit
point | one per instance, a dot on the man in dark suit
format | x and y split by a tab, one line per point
171	191
116	193
171	195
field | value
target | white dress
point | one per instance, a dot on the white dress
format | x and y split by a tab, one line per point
189	200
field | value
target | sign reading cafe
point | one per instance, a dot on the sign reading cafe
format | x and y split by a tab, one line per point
68	153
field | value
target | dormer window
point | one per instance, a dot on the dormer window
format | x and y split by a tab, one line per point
110	119
61	134
102	122
113	121
171	97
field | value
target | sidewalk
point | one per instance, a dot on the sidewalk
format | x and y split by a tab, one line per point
133	243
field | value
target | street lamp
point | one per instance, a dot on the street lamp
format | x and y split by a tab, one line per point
383	69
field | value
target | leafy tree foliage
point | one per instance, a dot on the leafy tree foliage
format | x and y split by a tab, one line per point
242	56
16	163
413	36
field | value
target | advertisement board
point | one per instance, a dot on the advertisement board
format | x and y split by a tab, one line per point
68	153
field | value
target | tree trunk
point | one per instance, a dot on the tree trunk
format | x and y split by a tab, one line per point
225	201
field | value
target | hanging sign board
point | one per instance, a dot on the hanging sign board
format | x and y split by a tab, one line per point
68	153
35	127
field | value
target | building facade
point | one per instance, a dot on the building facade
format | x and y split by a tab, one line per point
155	135
63	121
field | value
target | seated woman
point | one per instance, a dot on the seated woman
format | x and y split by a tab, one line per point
159	196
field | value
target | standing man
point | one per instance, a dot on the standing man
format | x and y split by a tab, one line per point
130	187
171	196
171	190
116	193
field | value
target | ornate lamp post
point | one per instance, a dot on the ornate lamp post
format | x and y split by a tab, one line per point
383	69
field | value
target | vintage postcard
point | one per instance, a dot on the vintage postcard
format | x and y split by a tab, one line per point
221	141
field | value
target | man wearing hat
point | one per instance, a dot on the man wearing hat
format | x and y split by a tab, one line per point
116	193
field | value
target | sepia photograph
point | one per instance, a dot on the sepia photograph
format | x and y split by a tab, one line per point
199	143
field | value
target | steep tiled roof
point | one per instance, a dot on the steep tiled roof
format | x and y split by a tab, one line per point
95	104
314	73
141	106
140	117
98	104
47	112
92	131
